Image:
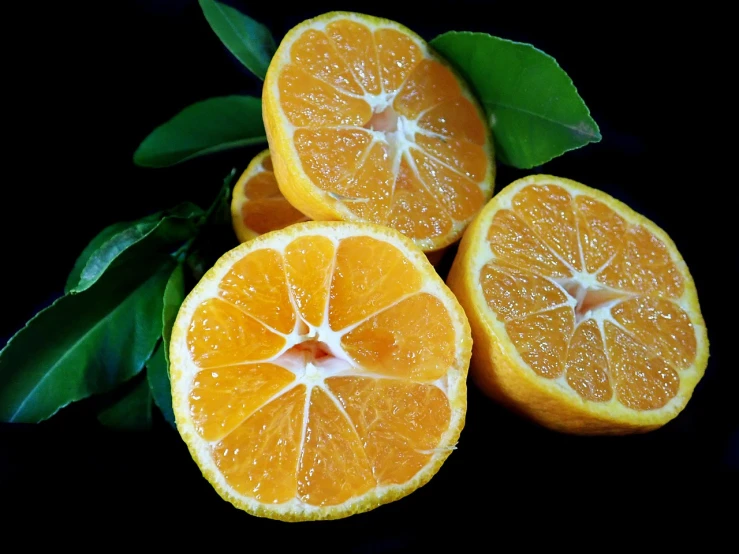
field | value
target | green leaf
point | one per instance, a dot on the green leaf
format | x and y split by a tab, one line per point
132	412
203	128
158	366
82	344
174	295
219	212
249	41
532	106
95	243
217	235
137	242
157	372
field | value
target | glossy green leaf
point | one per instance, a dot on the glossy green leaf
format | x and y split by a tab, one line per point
95	243
130	413
158	377
83	344
174	295
217	235
158	365
136	242
251	42
219	212
532	106
205	127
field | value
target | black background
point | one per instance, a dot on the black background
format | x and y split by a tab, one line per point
97	77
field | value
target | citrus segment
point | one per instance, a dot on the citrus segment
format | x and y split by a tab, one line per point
222	398
456	193
334	466
310	102
306	260
369	275
368	192
319	370
587	366
366	123
257	205
584	315
643	265
401	423
398	53
311	52
457	119
266	293
643	381
330	155
515	293
541	339
512	241
414	212
601	232
430	84
661	326
221	334
411	339
258	459
549	212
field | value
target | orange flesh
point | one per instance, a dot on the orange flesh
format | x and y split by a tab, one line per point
375	415
264	207
416	159
585	295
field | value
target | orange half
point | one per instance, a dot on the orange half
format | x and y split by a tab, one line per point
366	123
319	371
583	313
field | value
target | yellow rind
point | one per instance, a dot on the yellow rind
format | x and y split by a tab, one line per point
500	372
456	393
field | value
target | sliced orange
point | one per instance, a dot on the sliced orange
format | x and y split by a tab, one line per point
257	205
319	371
583	313
366	123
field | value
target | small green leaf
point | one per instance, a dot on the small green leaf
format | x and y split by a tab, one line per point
533	108
219	212
130	413
83	344
157	374
249	41
136	242
174	295
217	235
95	243
158	366
203	128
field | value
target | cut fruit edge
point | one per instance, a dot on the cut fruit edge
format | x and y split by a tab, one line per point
239	198
286	160
496	346
183	372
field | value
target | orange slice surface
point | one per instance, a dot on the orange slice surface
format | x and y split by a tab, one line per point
366	123
584	315
319	371
257	205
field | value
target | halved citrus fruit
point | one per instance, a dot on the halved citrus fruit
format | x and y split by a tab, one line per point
319	371
366	123
257	205
583	313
